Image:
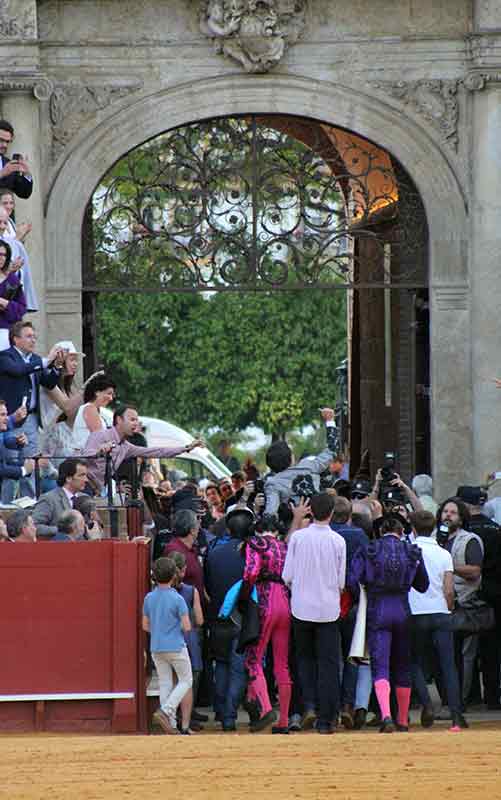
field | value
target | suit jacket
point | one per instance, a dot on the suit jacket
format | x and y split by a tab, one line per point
7	469
17	182
15	378
48	510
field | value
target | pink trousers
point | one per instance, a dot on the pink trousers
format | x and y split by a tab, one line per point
275	626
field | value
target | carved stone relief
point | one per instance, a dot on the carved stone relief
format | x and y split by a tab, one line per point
38	84
255	33
18	19
73	105
433	99
476	81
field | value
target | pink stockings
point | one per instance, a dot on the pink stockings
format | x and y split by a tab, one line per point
275	626
382	688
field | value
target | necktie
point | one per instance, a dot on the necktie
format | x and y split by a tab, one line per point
33	398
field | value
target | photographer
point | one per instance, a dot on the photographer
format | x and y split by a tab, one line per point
14	172
467	553
389	487
489	532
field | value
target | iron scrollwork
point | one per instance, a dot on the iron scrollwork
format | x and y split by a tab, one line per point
254	202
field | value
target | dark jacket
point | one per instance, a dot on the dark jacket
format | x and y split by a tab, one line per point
490	533
16	183
15	380
224	566
8	470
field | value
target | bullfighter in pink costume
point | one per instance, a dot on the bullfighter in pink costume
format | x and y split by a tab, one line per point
264	562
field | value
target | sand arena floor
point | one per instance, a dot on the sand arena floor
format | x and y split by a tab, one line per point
421	765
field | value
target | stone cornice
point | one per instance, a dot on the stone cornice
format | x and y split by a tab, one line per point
37	84
477	79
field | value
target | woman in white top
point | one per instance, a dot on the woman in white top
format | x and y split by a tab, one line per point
15	235
98	393
59	406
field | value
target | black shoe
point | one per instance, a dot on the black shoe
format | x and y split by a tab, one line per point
195	726
402	728
458	721
264	722
229	727
359	718
198	717
185	731
308	719
427	716
387	725
347	717
325	729
278	729
253	709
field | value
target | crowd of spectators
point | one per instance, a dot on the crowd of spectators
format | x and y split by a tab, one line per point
300	588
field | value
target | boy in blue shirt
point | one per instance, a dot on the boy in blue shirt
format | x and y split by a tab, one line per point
166	617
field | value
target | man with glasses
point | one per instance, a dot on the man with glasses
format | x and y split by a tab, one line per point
14	173
22	372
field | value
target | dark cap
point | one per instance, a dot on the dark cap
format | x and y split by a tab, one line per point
474	495
360	488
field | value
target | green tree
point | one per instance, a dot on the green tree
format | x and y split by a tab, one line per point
228	360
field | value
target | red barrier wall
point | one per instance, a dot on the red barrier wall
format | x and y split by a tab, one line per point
70	624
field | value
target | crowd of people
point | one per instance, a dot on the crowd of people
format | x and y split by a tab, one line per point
343	598
298	590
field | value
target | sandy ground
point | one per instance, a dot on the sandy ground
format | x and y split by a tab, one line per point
421	765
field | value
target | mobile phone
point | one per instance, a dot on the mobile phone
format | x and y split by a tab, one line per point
497	476
25	400
17	157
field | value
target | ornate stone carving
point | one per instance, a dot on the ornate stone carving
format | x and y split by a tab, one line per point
255	33
38	84
72	105
17	19
476	81
435	100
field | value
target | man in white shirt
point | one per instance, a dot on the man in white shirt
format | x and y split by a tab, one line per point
315	569
430	621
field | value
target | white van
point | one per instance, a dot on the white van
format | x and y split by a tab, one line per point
200	463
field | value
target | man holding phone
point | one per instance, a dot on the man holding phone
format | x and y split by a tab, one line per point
14	172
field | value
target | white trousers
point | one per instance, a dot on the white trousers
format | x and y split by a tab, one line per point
167	664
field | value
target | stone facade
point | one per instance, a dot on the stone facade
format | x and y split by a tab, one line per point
84	81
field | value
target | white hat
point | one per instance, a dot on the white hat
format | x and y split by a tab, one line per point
69	347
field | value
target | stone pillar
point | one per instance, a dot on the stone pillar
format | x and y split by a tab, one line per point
451	400
22	110
485	260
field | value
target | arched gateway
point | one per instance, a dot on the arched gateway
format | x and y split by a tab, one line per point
96	149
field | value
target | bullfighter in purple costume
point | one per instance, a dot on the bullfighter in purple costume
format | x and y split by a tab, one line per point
388	569
264	562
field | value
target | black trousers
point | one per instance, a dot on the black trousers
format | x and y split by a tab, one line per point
317	652
490	655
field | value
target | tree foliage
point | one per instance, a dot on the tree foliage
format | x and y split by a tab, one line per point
228	360
192	208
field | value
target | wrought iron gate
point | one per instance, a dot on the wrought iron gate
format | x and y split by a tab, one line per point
256	203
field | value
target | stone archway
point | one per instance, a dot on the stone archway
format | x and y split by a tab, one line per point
96	149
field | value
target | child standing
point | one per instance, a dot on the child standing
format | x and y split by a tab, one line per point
192	638
166	617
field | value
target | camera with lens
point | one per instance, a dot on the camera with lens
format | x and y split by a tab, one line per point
389	494
442	533
259	486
